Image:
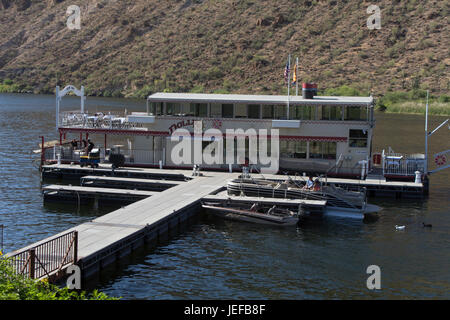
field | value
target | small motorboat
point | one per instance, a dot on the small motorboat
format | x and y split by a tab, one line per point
255	213
340	202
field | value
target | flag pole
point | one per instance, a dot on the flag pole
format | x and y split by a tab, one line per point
426	137
289	84
296	77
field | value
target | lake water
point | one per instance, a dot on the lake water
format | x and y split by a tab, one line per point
216	259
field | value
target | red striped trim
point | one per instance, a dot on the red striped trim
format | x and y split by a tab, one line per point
166	134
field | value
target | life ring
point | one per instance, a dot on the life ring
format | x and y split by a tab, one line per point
217	124
440	160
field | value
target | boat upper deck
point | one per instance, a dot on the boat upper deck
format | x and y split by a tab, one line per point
259	99
163	108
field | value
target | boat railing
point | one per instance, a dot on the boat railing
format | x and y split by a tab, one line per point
402	164
112	120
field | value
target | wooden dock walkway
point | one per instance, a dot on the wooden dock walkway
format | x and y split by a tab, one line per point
114	235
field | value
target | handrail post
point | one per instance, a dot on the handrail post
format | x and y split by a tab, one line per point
75	247
32	257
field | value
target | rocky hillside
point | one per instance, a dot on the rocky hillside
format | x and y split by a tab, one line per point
132	48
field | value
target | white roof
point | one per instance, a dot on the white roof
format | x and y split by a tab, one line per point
257	99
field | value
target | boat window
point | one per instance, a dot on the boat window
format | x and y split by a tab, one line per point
178	109
240	111
253	111
216	110
355	113
357	138
293	149
227	111
331	113
169	108
322	150
280	111
295	112
187	110
267	111
329	150
200	109
308	112
157	108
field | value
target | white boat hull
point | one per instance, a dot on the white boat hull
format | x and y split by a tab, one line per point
369	209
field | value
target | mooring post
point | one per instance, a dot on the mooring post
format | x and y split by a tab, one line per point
42	151
32	258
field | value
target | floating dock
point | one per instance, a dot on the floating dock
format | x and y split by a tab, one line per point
76	193
128	183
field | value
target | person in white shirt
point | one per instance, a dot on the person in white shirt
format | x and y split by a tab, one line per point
309	184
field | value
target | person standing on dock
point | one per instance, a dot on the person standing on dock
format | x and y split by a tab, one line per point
89	147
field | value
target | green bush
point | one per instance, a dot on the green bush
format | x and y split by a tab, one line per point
8	86
17	287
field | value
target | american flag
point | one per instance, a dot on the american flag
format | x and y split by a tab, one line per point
286	72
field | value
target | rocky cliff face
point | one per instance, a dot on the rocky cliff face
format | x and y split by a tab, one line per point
143	46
